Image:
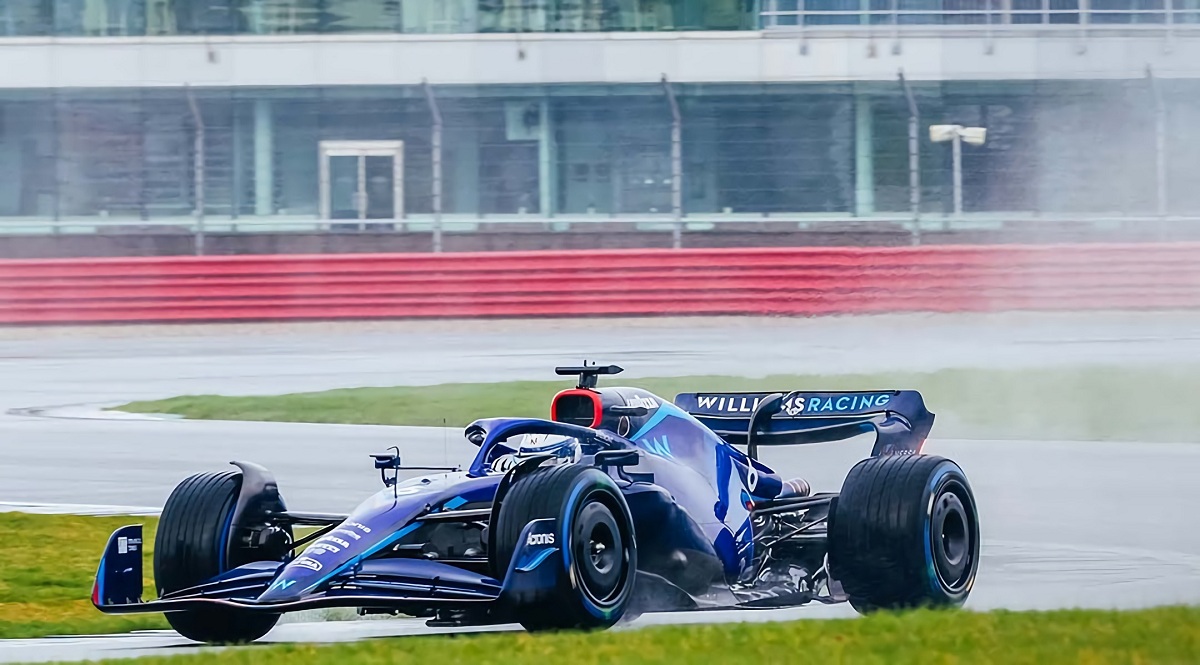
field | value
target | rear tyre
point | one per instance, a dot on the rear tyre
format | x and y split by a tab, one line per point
903	533
595	530
192	546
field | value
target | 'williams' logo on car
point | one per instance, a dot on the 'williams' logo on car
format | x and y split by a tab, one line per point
794	404
540	539
729	403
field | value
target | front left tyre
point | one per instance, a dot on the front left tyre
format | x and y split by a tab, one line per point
595	531
194	544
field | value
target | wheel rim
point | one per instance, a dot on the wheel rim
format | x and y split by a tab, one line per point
599	552
953	538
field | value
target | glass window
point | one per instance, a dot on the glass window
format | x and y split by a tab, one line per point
1186	11
27	149
272	17
193	17
439	16
100	165
362	16
776	153
20	18
508	133
585	157
100	17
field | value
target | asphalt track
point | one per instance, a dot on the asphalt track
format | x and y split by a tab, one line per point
1066	524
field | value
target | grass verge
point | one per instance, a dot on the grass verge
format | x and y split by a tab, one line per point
1166	635
47	564
1087	403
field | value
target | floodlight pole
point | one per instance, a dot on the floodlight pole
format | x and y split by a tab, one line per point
436	142
676	166
198	168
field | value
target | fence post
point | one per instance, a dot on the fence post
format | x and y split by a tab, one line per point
1160	143
436	141
914	157
198	167
676	165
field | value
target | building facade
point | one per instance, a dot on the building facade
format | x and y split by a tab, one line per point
284	114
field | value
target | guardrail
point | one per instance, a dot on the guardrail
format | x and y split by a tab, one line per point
793	281
980	14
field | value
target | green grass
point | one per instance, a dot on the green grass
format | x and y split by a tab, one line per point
1088	403
47	564
1166	635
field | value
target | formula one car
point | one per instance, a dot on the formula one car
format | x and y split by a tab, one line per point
621	503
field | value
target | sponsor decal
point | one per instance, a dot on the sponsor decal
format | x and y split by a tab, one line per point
309	563
795	403
360	527
891	449
658	445
282	585
644	402
838	403
317	549
752	479
540	539
348	533
125	545
504	462
335	540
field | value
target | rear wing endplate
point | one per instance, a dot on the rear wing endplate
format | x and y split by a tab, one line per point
898	417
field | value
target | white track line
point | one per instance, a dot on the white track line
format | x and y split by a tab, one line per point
91	510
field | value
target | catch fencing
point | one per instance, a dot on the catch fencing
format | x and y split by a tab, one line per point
788	281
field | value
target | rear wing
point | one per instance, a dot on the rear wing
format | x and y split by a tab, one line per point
898	417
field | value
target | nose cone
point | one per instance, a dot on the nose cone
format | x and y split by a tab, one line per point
376	524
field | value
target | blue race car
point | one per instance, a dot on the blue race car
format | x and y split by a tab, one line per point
621	503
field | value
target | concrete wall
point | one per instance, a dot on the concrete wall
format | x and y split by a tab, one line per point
594	236
772	56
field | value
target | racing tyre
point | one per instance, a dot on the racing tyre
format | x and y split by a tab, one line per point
192	545
904	532
595	531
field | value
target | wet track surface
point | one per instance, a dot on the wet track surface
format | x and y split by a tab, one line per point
1065	524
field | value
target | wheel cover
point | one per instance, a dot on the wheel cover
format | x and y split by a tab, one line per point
599	552
953	537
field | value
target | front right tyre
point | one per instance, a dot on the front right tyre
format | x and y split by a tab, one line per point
194	544
904	533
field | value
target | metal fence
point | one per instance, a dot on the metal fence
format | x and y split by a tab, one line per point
982	14
666	156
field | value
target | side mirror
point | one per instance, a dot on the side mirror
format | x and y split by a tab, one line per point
617	458
388	461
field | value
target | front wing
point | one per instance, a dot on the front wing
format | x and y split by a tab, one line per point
387	583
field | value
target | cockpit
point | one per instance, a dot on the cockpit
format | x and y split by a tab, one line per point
504	455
